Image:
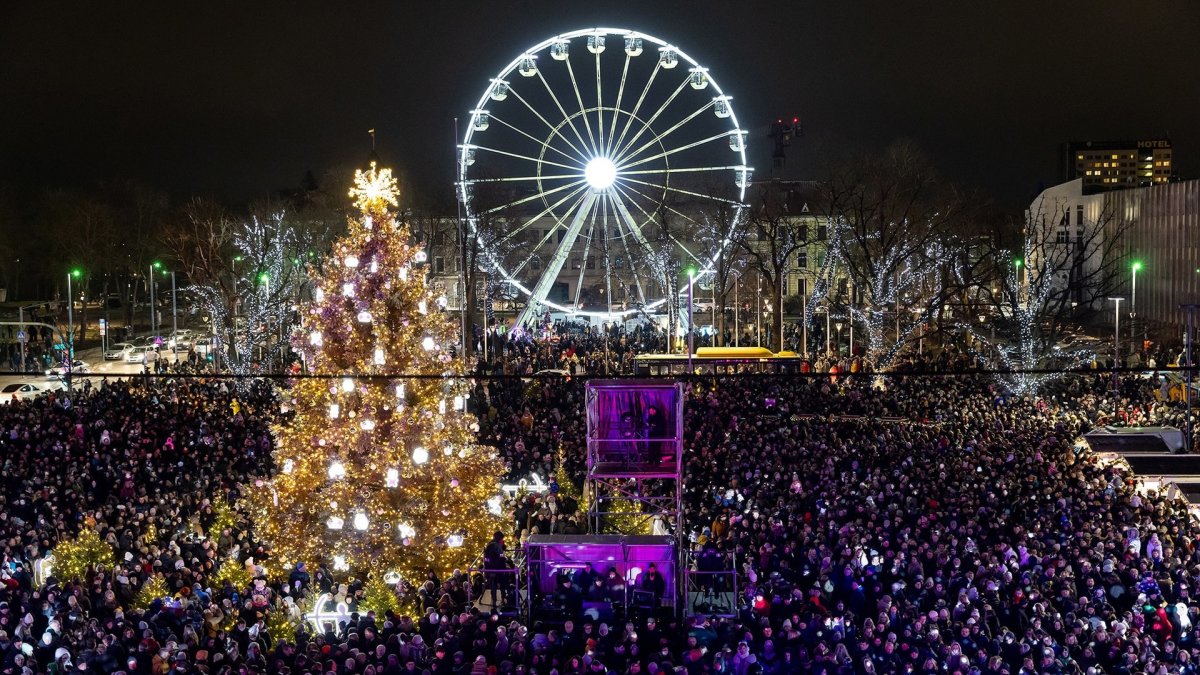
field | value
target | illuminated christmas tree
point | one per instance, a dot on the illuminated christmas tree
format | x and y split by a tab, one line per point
378	472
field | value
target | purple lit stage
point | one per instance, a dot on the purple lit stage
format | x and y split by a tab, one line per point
634	427
548	557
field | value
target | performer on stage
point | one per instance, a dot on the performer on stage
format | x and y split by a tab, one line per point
656	431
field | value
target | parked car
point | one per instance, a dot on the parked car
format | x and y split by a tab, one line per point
77	367
25	391
548	373
202	344
1078	342
117	351
180	340
143	354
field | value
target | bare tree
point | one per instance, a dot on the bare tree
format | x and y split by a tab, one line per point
504	233
720	237
897	223
84	232
202	246
1059	267
774	232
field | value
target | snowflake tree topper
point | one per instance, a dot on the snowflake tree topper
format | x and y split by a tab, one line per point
374	190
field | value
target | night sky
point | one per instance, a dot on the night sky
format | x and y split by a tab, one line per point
236	100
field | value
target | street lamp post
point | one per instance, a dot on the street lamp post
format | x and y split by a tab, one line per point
1187	358
714	310
758	313
174	311
828	334
150	298
691	319
265	280
804	322
851	320
1018	263
782	288
21	329
737	281
1117	329
70	346
1135	268
839	330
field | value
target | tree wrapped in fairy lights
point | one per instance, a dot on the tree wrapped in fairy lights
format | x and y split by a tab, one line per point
378	472
1038	288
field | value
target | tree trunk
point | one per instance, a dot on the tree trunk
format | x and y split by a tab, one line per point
83	313
130	304
777	314
724	320
104	301
470	297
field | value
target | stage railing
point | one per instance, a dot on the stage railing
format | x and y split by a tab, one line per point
633	451
711	584
486	583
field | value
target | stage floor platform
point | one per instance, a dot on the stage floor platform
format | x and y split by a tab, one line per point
633	470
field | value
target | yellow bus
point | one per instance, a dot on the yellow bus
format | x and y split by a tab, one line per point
719	361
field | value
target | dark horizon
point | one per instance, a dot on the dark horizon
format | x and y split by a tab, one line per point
240	102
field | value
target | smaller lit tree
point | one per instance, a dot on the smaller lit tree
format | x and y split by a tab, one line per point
74	557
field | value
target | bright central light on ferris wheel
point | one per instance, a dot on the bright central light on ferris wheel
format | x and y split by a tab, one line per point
600	173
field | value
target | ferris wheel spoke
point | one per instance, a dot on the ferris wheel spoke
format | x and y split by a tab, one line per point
637	106
627	218
612	127
635	231
549	209
587	250
555	130
687	169
732	202
527	158
599	111
546	237
668	208
560	188
650	121
539	141
607	260
523	179
550	274
587	123
658	139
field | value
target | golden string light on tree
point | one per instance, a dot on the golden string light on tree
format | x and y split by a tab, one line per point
378	472
74	557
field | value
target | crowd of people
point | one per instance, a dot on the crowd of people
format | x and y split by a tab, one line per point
903	524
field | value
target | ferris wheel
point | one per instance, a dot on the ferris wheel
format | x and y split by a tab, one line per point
595	167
